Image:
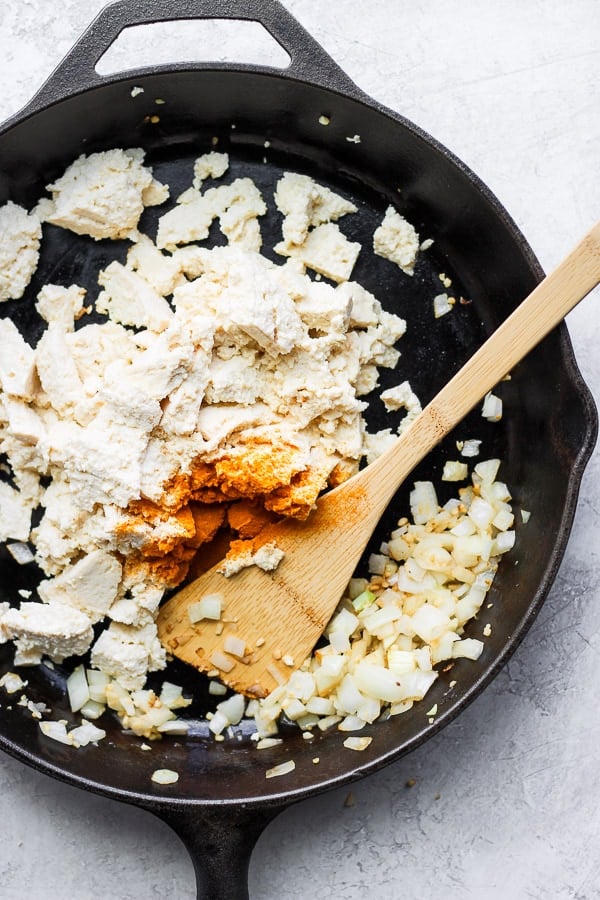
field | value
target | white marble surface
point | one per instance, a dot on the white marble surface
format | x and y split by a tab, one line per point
505	800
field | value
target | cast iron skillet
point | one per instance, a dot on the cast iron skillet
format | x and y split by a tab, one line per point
222	800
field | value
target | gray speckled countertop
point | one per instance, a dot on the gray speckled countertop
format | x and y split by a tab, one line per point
505	800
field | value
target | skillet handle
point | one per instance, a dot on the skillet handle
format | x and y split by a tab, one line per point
220	842
77	72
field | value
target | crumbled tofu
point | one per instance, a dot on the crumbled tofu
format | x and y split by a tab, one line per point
209	165
267	557
397	240
186	222
91	584
57	370
236	205
365	309
17	362
103	195
136	435
241	204
38	629
305	204
162	272
130	300
20	235
325	250
60	305
127	654
15	514
402	397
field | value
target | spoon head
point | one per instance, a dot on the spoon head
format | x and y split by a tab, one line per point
279	615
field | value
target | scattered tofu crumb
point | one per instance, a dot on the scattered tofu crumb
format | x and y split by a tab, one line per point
397	240
402	396
209	165
324	120
355	139
487	630
447	282
136	91
525	516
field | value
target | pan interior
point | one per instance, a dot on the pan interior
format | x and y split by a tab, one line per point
269	126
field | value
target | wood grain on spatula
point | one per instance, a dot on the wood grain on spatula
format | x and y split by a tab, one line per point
281	615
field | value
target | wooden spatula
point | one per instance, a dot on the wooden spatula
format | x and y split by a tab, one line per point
280	615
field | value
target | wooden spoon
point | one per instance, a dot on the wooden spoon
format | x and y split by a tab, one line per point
281	615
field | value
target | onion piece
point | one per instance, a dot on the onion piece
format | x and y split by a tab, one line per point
164	776
210	606
282	769
357	743
20	552
78	689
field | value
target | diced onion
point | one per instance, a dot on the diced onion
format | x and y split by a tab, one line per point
454	471
20	552
234	645
282	769
210	606
492	408
220	661
55	730
78	689
86	734
165	776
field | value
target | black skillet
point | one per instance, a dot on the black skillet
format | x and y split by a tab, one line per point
268	121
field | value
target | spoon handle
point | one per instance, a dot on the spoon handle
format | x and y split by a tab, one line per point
530	322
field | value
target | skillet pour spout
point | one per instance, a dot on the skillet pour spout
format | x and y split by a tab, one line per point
222	799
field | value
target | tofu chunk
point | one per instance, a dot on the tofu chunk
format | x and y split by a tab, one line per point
130	300
60	305
325	250
127	654
305	204
209	165
20	235
103	195
39	629
397	240
15	514
90	585
17	362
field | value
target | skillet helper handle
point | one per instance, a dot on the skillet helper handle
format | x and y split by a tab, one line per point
220	843
77	71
